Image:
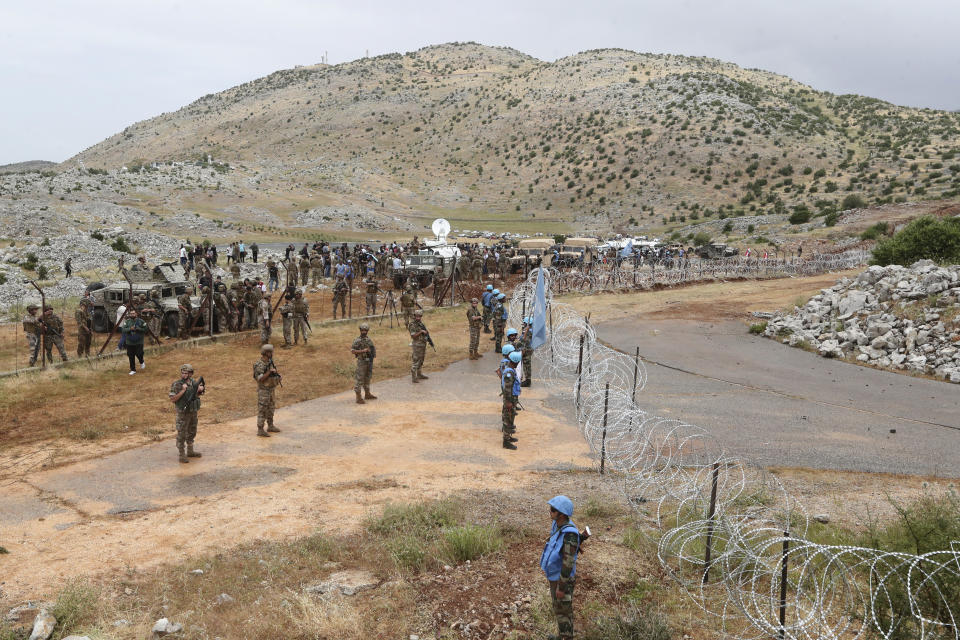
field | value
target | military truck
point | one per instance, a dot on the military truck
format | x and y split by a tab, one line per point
576	252
715	250
422	267
166	278
531	253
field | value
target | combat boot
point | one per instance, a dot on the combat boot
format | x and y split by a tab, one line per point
191	453
273	429
360	399
509	445
367	395
183	457
420	376
512	438
262	433
413	377
525	383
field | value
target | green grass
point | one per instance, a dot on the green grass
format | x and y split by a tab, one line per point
469	542
758	328
634	623
75	606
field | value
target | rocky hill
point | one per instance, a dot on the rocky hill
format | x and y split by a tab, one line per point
601	139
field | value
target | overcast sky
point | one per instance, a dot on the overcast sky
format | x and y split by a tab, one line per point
73	73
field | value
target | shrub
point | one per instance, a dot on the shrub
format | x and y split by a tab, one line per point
875	231
559	238
701	238
853	201
831	219
120	244
414	517
728	227
470	542
42	272
801	213
96	235
75	605
758	328
636	623
924	238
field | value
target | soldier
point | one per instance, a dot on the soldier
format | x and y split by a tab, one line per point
235	271
476	267
286	313
513	337
418	335
526	352
364	350
264	310
33	331
407	302
316	269
151	312
301	317
254	251
233	305
140	264
559	563
304	271
222	304
68	266
510	388
84	328
504	264
292	272
267	377
250	302
485	302
340	297
371	296
53	334
475	322
499	313
185	308
185	395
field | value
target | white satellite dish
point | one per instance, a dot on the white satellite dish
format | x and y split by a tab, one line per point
441	228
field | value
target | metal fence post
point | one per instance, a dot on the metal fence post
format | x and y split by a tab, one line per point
603	438
783	585
580	371
712	512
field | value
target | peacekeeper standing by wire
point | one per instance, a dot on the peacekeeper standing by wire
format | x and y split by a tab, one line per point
340	290
267	377
365	351
499	321
371	295
475	322
264	310
418	335
559	563
33	331
185	309
510	388
84	327
301	317
53	334
526	335
185	395
286	314
485	303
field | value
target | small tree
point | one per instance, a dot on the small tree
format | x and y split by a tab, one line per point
853	201
924	238
701	238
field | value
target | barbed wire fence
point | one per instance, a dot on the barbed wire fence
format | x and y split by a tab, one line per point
731	534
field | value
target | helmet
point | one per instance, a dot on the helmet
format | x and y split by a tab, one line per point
266	347
32	306
515	357
489	287
502	296
186	367
563	504
528	320
474	301
364	327
496	292
507	349
511	332
418	312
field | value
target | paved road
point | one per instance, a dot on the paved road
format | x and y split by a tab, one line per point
781	406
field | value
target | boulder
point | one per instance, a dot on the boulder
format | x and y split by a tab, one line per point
850	304
164	627
43	625
348	582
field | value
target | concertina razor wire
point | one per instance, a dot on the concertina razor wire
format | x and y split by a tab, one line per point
762	565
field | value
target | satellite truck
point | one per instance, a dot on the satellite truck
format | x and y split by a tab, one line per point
436	259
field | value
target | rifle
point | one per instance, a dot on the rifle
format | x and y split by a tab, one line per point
275	373
196	389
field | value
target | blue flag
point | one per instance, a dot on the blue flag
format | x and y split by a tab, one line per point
627	251
539	331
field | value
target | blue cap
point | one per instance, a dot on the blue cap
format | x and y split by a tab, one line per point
507	348
511	332
515	357
495	291
502	296
563	504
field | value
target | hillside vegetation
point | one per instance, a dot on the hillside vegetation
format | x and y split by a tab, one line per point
599	138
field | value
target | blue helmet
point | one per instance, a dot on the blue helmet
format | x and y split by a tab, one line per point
511	332
489	287
502	296
528	320
515	358
496	292
507	348
563	504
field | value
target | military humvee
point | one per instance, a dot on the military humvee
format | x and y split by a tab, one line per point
422	267
716	250
166	278
577	252
532	252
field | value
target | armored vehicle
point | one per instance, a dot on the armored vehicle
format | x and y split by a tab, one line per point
531	253
166	278
716	250
422	267
577	252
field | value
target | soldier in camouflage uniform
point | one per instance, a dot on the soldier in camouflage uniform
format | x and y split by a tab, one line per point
250	303
304	271
53	334
407	302
504	264
84	328
233	303
499	314
476	267
340	297
185	307
292	272
371	296
301	316
475	322
526	335
32	330
510	390
316	269
267	377
559	563
235	271
286	313
185	395
418	336
264	311
365	351
222	304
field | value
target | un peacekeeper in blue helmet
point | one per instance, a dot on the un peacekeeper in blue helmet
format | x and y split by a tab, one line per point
559	562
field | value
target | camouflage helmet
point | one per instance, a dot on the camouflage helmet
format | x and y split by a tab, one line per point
418	312
474	301
364	326
32	306
186	367
189	287
265	348
83	302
